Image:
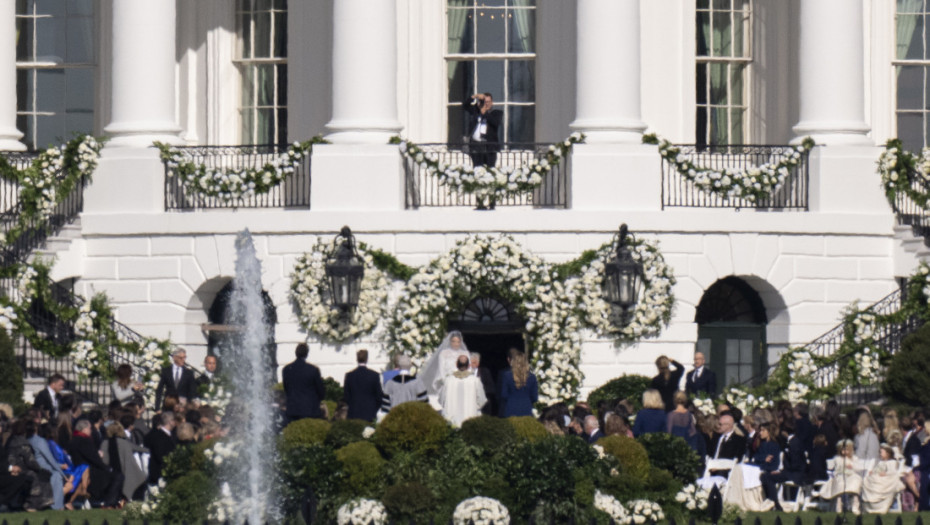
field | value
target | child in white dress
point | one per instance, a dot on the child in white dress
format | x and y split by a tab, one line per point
846	482
882	484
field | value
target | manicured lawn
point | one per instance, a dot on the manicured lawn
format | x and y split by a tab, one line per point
58	517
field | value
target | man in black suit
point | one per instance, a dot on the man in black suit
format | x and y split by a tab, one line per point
209	373
105	484
483	129
47	400
794	468
362	390
160	443
592	429
727	444
487	382
701	379
303	387
176	380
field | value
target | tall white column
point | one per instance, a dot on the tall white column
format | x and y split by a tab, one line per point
143	97
9	135
832	79
364	72
607	104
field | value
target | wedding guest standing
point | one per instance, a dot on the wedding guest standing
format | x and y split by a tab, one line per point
176	380
667	380
519	389
362	390
701	379
47	400
303	387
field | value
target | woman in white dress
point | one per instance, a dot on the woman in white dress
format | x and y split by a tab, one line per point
882	484
846	480
442	362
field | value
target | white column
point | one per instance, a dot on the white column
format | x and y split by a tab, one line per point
607	104
832	79
9	135
364	72
143	97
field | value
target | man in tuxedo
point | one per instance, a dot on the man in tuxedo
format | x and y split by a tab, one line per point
701	379
160	443
483	129
48	399
490	389
362	390
727	443
105	484
209	373
176	380
303	387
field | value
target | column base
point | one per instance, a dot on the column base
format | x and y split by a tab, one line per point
616	177
614	131
833	133
9	140
843	180
362	131
363	177
143	134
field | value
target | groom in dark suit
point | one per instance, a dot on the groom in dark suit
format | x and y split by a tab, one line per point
362	390
176	380
701	379
48	399
303	387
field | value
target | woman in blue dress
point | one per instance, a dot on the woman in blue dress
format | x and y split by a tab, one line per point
651	418
519	389
80	478
680	423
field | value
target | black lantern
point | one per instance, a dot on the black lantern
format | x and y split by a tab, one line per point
623	277
345	270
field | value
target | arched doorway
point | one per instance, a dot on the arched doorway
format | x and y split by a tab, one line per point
490	327
223	330
731	331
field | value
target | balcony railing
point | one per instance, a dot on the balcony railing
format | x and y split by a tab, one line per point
910	213
293	192
425	190
677	191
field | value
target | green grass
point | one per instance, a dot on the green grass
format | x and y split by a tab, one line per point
58	517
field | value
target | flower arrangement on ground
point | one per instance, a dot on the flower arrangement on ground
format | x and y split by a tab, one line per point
644	511
611	506
489	182
480	510
752	184
361	511
310	293
693	497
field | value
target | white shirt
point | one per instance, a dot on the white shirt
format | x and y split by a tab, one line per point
698	371
481	129
54	397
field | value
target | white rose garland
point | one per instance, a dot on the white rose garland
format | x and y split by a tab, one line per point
361	511
310	293
480	510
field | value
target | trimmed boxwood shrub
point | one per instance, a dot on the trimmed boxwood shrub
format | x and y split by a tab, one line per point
361	464
488	433
673	454
11	376
186	498
345	431
411	426
313	467
630	387
334	391
307	431
908	377
632	456
528	428
409	501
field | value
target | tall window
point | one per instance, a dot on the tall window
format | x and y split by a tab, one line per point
724	53
55	61
492	49
912	70
262	61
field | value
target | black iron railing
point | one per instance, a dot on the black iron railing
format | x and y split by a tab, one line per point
425	190
910	213
678	191
293	192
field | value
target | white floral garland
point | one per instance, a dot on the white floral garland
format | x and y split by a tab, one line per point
653	312
361	511
311	295
499	262
894	165
644	511
217	398
489	182
704	405
480	510
801	367
868	360
693	497
611	506
751	184
746	402
229	184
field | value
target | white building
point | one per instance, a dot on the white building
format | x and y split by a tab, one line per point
849	73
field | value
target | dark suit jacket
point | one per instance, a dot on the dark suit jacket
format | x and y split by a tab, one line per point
84	452
493	117
911	449
490	391
203	382
43	402
706	383
363	393
733	448
304	390
592	439
160	445
186	388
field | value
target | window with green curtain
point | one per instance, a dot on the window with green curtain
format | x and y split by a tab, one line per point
262	62
723	56
491	48
911	62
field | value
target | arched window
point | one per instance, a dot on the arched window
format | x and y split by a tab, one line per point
224	330
731	330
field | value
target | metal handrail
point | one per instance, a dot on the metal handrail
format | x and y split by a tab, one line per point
910	213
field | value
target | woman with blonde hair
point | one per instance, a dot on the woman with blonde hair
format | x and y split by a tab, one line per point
615	425
667	380
846	482
866	441
889	423
680	422
519	389
651	418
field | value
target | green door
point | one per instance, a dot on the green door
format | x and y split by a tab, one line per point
736	352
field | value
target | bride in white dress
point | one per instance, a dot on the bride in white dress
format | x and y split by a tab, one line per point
442	362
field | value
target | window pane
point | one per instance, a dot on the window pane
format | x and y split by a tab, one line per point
736	84
739	34
491	78
456	130
282	84
732	351
910	131
491	3
745	372
248	86
248	126
521	28
703	4
81	7
722	37
490	29
50	130
51	43
79	84
521	3
80	40
262	35
522	124
461	80
50	95
280	34
521	81
718	126
718	83
701	83
736	126
722	4
461	34
24	87
703	34
264	126
282	126
245	35
909	37
910	87
745	350
264	78
24	35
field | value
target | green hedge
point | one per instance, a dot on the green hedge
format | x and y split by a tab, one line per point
629	387
908	377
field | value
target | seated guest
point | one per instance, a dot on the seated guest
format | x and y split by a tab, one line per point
615	425
882	483
47	461
592	431
105	485
817	469
651	418
794	468
119	453
79	475
14	486
21	455
160	443
728	443
846	482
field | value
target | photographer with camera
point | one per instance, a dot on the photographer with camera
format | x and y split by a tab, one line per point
483	126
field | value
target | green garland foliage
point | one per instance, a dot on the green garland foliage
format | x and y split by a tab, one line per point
389	264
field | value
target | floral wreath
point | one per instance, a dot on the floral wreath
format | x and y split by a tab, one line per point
752	184
653	312
498	266
229	184
480	510
310	294
490	182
